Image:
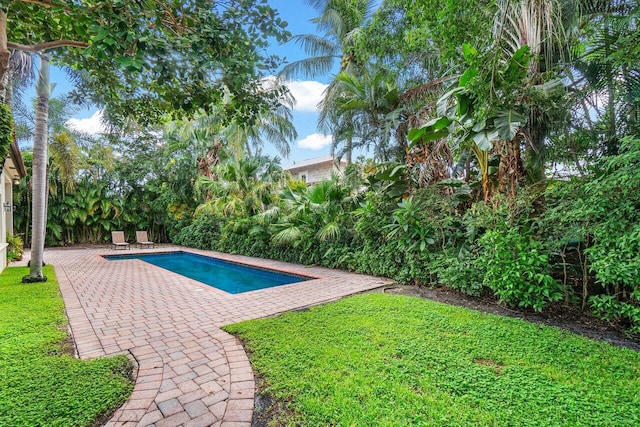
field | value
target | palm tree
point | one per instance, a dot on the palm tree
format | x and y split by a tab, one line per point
545	26
274	125
339	22
364	109
321	211
210	134
39	179
240	189
610	67
66	159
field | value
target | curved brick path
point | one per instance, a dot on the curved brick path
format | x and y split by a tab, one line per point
190	372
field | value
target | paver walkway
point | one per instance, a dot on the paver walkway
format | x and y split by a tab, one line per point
190	372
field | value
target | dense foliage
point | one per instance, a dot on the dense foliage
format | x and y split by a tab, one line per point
391	360
152	57
494	247
40	382
6	133
91	194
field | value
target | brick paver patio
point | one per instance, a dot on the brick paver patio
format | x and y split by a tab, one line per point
190	372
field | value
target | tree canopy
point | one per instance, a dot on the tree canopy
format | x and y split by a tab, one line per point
152	57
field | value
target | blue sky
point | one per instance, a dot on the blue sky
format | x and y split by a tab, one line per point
310	142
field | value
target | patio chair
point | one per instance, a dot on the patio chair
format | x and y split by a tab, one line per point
117	240
142	240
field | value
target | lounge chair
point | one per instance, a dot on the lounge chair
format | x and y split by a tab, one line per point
142	239
117	240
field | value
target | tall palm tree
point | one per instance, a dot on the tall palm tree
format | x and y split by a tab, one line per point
339	22
545	26
39	179
368	101
610	67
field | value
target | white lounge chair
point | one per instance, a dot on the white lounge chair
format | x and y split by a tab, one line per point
118	241
142	240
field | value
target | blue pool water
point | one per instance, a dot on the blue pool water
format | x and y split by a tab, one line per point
224	275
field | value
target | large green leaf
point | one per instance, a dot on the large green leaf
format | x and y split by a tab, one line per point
508	123
484	139
392	173
433	130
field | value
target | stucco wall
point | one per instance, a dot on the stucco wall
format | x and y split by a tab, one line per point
6	217
315	174
4	178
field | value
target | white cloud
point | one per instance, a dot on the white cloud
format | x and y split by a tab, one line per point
92	125
315	141
308	94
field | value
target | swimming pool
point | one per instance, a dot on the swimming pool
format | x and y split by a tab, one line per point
224	275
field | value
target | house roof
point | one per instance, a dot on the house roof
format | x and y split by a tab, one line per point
16	157
317	161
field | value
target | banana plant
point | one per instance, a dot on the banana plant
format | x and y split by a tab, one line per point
474	123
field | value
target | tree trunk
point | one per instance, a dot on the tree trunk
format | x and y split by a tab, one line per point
510	169
537	130
39	180
349	150
5	54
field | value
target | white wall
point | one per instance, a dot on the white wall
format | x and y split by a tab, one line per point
4	179
6	218
315	174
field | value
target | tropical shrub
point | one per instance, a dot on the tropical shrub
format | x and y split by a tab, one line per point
459	270
15	249
611	218
202	233
611	308
516	269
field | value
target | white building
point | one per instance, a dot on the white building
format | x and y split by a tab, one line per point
12	171
315	170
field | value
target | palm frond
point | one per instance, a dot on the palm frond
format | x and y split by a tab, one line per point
289	235
330	231
309	67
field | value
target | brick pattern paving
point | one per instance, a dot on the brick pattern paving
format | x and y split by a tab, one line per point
190	372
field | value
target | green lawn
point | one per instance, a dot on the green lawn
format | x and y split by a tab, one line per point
40	385
386	360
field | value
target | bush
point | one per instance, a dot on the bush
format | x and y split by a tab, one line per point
516	269
460	272
15	249
608	307
599	219
202	233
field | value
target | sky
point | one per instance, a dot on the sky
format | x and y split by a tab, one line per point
310	142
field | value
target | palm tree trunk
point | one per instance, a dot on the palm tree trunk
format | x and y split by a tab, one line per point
39	180
5	54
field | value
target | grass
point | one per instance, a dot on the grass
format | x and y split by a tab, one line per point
386	360
40	383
